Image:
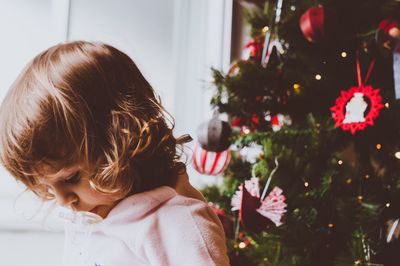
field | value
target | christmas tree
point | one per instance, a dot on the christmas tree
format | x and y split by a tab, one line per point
314	174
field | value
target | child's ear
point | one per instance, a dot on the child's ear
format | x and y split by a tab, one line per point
180	168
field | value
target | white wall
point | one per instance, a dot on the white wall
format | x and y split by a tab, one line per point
25	28
143	29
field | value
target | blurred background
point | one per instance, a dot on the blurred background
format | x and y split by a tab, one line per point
174	42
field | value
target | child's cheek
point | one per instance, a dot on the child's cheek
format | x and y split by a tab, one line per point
99	198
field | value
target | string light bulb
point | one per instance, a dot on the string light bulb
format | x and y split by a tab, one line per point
330	225
246	130
242	245
378	146
360	198
296	88
397	155
306	184
318	77
344	54
265	29
387	205
387	105
340	162
348	181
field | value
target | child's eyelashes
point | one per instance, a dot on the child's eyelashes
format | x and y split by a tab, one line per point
74	179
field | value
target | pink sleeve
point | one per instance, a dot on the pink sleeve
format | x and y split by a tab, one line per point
186	232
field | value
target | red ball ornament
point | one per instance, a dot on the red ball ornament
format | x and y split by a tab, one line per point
312	23
391	27
209	162
253	49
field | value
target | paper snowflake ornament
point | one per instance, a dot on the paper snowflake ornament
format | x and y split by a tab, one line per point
256	213
350	107
251	153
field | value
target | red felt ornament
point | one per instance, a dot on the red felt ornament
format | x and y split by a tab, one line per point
349	109
209	162
312	23
255	212
249	217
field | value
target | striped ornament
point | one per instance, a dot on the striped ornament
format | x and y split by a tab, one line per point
209	162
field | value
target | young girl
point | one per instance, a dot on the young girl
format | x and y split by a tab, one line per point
82	125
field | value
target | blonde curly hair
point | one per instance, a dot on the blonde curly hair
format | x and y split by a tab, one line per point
88	102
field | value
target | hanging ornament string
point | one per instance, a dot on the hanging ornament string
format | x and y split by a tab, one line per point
271	37
269	178
371	66
392	229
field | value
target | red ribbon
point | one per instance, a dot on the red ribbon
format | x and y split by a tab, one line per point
371	66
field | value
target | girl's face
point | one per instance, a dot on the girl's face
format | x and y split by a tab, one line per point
71	188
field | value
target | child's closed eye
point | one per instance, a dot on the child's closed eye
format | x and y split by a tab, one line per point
74	179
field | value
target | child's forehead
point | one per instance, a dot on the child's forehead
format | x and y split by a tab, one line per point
49	171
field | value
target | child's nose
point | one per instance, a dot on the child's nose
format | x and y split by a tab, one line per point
65	198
